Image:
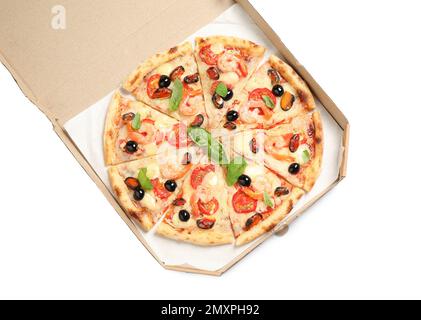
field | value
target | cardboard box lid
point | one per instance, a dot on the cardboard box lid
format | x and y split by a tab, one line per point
69	69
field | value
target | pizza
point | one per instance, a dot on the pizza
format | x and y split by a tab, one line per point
210	147
225	64
170	82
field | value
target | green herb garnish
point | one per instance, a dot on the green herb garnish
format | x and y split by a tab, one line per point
217	153
306	156
176	96
268	102
199	136
268	200
221	90
136	122
144	181
235	169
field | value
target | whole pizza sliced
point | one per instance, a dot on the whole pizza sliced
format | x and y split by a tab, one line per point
170	83
258	200
274	94
199	213
225	64
294	150
146	187
134	130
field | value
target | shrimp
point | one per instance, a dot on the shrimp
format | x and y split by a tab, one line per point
190	106
278	148
228	62
252	112
145	135
172	170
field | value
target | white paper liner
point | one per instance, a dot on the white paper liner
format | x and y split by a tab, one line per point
86	131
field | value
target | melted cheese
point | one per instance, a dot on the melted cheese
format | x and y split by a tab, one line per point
165	69
152	170
149	202
217	48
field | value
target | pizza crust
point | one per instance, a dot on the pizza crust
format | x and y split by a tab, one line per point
153	62
111	130
289	74
196	236
143	216
251	47
313	172
272	221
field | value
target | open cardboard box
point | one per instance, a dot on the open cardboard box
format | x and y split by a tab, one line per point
67	72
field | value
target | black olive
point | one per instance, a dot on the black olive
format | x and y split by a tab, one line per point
170	185
230	126
232	115
139	194
281	191
131	146
244	181
217	100
294	168
184	215
229	95
164	81
278	90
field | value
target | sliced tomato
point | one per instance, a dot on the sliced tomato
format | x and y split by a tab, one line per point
159	189
199	174
208	56
257	95
178	136
208	208
152	85
242	68
242	203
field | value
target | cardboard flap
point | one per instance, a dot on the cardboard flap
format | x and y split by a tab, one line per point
81	50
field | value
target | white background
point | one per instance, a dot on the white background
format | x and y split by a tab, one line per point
59	237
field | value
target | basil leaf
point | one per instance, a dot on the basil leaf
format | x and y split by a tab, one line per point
268	200
199	136
221	90
306	156
144	181
176	96
136	122
235	169
217	153
268	102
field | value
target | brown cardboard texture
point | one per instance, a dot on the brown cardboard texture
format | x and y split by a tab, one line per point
65	70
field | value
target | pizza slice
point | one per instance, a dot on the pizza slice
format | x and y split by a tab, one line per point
225	64
294	150
199	213
273	95
259	201
170	83
146	187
